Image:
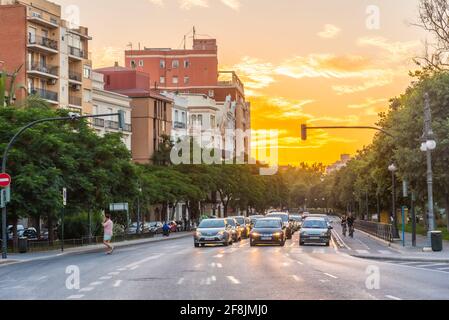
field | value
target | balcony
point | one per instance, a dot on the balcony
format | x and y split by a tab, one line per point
42	44
43	70
112	124
179	125
127	127
75	101
77	54
98	122
37	18
45	94
75	76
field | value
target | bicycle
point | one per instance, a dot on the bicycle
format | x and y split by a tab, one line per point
345	229
351	231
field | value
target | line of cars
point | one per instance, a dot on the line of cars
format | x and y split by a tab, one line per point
274	228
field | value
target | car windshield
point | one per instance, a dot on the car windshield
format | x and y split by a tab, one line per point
295	218
231	222
240	220
212	224
284	217
268	224
315	224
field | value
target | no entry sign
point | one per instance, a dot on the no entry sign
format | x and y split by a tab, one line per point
5	180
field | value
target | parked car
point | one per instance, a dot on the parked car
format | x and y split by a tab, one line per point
30	234
133	228
315	230
235	231
285	220
244	226
268	231
213	231
20	229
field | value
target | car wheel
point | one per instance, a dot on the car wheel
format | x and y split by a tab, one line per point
283	244
226	243
197	245
252	244
328	244
301	243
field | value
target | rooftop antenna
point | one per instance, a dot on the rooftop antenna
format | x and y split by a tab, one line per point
194	33
185	39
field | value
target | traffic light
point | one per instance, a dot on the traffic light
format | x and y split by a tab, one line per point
304	132
121	119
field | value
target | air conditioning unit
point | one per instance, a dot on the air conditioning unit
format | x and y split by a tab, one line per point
51	82
76	87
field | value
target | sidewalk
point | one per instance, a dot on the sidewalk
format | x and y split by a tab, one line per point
401	253
27	257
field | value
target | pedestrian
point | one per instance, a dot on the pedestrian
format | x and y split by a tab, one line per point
166	229
108	226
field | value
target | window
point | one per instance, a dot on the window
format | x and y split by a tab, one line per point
200	119
183	117
162	64
108	80
87	95
162	80
176	115
87	72
186	80
140	63
186	64
212	121
175	64
133	64
211	93
194	119
175	80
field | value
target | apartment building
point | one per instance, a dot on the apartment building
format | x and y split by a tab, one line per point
194	71
53	54
151	115
107	102
180	116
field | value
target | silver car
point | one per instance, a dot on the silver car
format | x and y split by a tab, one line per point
213	231
315	230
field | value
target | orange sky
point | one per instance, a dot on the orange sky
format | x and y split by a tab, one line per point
326	62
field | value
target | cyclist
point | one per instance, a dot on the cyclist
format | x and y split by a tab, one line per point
350	220
344	221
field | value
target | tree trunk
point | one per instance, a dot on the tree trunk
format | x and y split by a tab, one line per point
446	207
15	238
51	234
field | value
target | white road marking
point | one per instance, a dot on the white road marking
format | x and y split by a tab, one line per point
134	267
362	251
324	281
431	265
87	289
214	278
96	283
318	251
296	278
331	275
292	245
363	244
219	265
106	278
300	263
233	280
42	278
180	281
392	297
286	264
443	269
113	273
218	256
76	296
143	261
385	252
117	283
121	269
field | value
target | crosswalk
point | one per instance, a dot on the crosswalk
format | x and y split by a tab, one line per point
431	266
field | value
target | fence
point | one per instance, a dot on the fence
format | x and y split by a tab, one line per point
379	230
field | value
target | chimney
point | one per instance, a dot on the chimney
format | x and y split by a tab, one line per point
116	64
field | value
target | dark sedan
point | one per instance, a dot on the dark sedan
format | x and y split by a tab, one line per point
268	231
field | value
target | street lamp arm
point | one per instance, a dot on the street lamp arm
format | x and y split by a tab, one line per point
352	127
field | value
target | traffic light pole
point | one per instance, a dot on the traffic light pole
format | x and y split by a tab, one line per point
121	122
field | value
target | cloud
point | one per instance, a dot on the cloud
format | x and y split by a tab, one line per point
393	51
369	102
159	3
188	4
330	31
233	4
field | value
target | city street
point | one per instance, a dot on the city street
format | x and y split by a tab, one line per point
176	270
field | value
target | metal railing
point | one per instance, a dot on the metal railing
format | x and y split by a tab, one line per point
179	125
75	101
45	94
75	76
44	68
43	41
98	122
77	52
127	127
111	124
379	230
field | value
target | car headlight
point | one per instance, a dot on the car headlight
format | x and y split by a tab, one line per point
277	234
198	234
255	234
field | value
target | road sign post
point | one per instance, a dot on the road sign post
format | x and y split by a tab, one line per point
64	203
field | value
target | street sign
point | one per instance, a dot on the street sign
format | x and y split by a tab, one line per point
5	180
118	207
64	196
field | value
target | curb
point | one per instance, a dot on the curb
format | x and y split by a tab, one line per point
400	259
92	250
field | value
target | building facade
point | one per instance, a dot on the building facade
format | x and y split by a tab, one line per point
105	102
53	54
180	116
338	165
151	115
194	71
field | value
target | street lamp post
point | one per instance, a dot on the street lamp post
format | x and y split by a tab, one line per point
392	168
428	145
71	117
138	211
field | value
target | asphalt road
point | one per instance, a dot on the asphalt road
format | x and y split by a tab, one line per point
175	270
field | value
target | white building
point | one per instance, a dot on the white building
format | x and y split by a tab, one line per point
105	102
180	116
